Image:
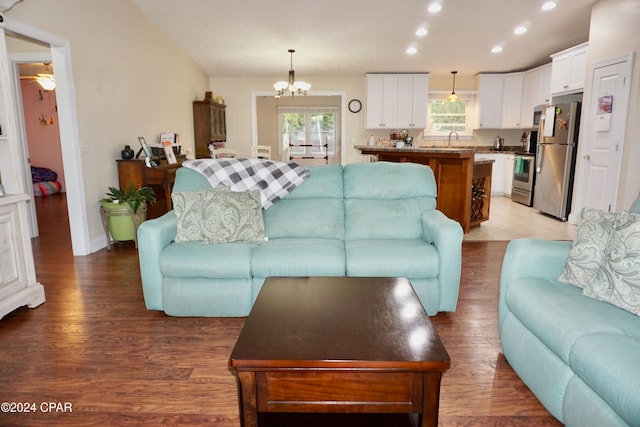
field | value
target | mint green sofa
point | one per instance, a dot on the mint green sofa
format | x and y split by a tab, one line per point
578	355
365	219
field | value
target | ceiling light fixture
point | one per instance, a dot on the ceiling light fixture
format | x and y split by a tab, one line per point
412	50
434	8
421	32
496	49
520	29
548	5
293	86
46	81
453	97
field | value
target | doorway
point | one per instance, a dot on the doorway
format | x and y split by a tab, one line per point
68	125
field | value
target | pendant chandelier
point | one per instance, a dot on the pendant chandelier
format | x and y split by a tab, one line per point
453	97
292	86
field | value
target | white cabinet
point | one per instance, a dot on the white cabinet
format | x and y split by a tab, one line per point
536	91
512	99
18	286
396	101
489	92
382	99
412	101
501	173
509	161
499	100
569	69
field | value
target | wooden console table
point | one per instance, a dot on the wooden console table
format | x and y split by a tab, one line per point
160	178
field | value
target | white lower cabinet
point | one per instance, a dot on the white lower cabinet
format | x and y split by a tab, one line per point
18	286
501	173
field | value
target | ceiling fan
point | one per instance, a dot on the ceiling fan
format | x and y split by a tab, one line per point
44	78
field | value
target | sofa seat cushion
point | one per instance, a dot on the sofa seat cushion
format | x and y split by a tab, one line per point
610	365
412	258
559	315
298	257
198	259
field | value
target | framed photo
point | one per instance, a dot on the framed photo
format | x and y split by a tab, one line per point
145	147
168	152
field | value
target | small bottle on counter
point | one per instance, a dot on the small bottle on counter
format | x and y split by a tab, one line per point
372	140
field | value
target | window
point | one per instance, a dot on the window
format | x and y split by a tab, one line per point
444	116
308	130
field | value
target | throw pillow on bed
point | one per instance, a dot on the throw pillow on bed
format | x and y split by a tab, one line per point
589	245
618	279
218	216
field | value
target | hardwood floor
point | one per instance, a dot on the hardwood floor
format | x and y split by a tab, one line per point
94	346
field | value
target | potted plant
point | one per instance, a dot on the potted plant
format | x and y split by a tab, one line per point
124	210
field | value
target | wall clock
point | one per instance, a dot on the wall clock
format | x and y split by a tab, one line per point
355	105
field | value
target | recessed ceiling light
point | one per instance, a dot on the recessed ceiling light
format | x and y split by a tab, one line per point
496	49
421	32
412	50
434	8
548	5
520	29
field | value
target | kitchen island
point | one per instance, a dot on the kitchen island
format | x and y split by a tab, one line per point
464	188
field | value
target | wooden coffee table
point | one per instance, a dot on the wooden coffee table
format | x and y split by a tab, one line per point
338	345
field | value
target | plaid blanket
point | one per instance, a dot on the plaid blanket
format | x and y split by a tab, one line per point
274	179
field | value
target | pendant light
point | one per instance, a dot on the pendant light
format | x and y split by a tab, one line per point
294	86
453	97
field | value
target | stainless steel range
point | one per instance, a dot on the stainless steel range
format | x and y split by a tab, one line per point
523	178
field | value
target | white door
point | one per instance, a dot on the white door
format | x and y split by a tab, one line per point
604	127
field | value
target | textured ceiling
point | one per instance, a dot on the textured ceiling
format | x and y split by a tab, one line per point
351	37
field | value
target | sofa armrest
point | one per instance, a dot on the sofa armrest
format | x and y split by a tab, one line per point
153	236
535	258
446	235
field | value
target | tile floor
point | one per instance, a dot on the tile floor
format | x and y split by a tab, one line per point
509	220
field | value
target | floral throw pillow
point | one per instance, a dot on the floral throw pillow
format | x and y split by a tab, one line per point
187	206
233	216
618	279
218	216
588	249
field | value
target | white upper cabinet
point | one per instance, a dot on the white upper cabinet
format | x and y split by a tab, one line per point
396	101
489	91
569	69
536	91
499	100
512	100
412	101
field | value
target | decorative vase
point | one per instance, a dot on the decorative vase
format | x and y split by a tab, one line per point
127	153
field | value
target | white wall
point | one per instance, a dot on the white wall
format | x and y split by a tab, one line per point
130	81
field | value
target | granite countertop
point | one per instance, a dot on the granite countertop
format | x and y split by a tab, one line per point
425	149
440	149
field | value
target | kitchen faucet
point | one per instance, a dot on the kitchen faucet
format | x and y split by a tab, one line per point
450	133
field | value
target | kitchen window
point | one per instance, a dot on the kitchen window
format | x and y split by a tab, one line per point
444	116
308	130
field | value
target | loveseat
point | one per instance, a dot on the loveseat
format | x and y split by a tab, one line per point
579	354
365	219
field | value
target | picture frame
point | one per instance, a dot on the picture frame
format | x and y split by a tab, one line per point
147	152
168	152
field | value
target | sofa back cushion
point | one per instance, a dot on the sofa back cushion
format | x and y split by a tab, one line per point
313	209
385	200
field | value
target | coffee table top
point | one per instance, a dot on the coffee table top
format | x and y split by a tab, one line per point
338	322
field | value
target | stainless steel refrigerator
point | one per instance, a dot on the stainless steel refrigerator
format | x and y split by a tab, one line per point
556	158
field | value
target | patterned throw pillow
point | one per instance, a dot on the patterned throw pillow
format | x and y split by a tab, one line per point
188	207
618	279
218	216
233	216
588	249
